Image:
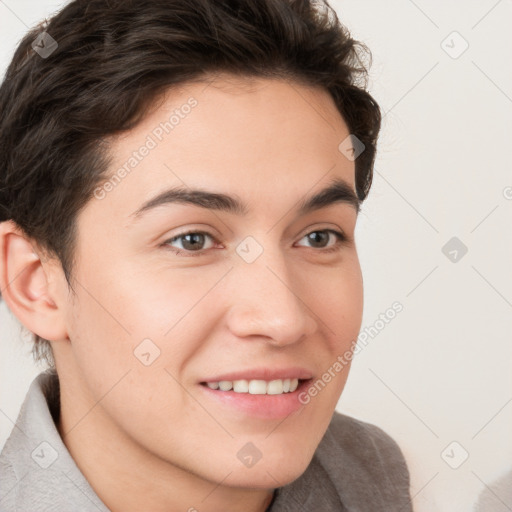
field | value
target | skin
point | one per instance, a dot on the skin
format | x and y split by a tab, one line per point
146	437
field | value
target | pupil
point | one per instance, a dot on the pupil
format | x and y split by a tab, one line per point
314	237
193	244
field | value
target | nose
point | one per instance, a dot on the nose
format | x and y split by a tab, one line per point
266	302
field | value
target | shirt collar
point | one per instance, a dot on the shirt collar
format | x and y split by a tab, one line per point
40	466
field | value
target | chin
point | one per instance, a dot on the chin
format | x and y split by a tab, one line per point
281	470
262	480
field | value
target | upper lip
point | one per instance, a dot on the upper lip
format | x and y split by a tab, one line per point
264	373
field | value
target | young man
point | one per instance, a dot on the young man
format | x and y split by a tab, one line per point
179	191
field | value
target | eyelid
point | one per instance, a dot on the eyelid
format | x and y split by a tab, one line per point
190	232
330	227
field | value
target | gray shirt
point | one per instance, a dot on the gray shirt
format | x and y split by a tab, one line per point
356	467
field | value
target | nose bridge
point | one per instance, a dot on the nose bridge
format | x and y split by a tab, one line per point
265	300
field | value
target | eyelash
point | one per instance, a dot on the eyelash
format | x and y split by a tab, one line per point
340	239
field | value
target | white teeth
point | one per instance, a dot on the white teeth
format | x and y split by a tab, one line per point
275	387
241	386
225	385
257	387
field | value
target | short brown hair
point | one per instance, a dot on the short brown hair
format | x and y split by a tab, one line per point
112	58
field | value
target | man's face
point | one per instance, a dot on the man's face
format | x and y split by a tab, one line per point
270	294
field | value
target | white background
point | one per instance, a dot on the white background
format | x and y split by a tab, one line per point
440	371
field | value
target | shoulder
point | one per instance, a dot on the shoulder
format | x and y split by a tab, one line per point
367	466
9	481
36	470
361	439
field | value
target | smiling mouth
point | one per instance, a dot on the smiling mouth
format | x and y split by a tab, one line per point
256	386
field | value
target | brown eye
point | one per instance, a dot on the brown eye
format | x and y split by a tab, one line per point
319	239
192	241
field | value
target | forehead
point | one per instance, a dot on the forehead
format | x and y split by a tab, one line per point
266	140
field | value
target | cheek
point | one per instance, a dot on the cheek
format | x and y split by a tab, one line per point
99	340
339	303
137	320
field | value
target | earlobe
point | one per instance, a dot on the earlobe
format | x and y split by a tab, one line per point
25	286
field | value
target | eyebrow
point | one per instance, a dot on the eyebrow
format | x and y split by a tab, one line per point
338	191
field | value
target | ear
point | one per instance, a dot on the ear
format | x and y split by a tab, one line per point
25	286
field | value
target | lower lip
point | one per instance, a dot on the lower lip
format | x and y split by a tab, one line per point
259	406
